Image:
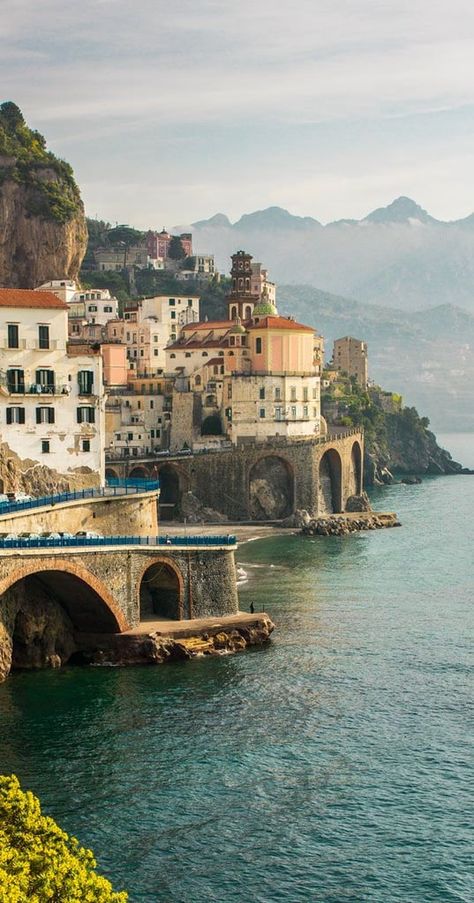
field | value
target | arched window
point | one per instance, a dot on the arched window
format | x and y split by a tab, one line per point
172	355
248	312
258	346
205	354
197	380
233	313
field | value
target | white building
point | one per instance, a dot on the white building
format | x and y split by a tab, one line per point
51	401
94	305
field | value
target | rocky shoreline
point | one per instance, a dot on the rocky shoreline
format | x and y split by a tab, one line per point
342	524
157	648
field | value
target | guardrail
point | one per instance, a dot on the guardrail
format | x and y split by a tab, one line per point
104	541
126	487
132	483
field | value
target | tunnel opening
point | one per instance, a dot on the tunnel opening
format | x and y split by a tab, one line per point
161	592
271	489
170	492
46	612
330	483
211	426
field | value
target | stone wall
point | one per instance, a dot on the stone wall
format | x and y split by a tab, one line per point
132	515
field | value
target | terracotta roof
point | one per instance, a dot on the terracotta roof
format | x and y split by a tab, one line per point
212	324
280	323
214	361
20	297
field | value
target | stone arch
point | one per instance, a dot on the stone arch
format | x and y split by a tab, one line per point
330	483
138	473
161	591
111	474
86	600
354	485
171	490
211	426
271	488
234	311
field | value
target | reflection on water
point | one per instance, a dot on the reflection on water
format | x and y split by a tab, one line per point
331	765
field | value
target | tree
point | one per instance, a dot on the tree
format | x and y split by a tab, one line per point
175	249
39	861
124	235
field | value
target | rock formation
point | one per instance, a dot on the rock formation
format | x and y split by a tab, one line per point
43	233
25	475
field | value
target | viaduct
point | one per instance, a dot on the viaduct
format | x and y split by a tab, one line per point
265	481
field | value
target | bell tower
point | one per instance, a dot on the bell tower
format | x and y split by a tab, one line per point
241	301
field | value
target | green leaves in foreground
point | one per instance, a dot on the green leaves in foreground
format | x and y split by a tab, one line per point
39	861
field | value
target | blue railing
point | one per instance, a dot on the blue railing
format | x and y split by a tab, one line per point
125	488
43	542
132	483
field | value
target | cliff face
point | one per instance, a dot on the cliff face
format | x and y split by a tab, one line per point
34	249
43	232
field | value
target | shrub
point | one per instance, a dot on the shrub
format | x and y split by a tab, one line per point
39	861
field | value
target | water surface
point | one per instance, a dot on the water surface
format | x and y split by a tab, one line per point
333	765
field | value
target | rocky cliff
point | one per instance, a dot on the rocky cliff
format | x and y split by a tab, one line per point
43	232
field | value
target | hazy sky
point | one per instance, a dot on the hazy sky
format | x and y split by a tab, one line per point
170	112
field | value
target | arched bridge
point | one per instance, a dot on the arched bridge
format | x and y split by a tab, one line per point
109	586
263	481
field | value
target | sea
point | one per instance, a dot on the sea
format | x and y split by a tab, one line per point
333	765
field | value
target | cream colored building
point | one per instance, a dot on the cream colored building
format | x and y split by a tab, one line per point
96	306
51	401
350	356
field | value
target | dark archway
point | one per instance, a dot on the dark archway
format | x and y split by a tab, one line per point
271	489
111	474
170	491
161	592
330	483
212	426
354	486
48	612
138	473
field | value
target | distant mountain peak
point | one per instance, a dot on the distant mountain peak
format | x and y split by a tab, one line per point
220	220
401	210
275	218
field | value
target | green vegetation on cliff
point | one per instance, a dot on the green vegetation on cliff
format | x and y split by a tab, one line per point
24	158
397	439
39	861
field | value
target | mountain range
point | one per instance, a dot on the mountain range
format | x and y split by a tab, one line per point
398	256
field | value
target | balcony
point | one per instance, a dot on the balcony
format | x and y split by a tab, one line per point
6	347
35	388
52	345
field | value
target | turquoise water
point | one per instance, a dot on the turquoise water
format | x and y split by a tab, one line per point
334	765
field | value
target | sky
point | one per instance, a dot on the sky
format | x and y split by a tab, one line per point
172	112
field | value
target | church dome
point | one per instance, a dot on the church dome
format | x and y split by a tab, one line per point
265	307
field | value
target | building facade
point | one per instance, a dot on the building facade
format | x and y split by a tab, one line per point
350	356
52	403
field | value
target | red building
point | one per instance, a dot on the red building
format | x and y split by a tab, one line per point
158	243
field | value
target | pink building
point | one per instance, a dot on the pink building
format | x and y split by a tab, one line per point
158	243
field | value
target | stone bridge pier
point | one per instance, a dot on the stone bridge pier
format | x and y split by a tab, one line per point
49	597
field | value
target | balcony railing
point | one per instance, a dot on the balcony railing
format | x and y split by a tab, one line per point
36	388
50	345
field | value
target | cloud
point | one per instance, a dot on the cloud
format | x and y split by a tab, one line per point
167	81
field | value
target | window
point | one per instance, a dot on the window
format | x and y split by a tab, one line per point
261	392
45	446
187	354
44	415
152	434
15	415
86	445
258	346
43	337
173	355
142	353
262	413
190	302
155	352
85	379
173	315
278	414
13	336
117	436
45	381
197	380
129	436
293	413
315	413
305	393
205	354
315	392
107	310
229	390
305	411
85	415
293	393
92	308
172	302
277	393
15	380
152	405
